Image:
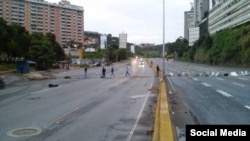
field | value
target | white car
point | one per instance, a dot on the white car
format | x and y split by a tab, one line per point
141	63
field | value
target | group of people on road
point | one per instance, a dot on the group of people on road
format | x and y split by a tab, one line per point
104	72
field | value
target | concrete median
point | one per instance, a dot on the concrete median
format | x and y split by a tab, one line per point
163	126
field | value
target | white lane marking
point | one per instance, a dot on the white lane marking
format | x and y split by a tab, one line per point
65	115
171	84
239	84
248	107
44	90
242	78
139	96
195	79
220	79
138	118
205	84
224	93
40	91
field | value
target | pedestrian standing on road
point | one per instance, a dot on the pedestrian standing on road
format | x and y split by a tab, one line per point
85	72
157	70
127	71
103	72
112	72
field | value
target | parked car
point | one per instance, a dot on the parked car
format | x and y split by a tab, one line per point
2	83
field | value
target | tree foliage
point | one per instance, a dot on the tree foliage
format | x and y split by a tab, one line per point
3	38
17	43
226	47
41	50
60	54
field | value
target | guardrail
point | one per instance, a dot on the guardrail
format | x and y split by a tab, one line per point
163	126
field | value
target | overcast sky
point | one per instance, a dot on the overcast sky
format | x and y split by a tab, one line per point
142	20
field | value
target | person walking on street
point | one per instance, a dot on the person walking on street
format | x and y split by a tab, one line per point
103	72
157	70
112	72
85	72
127	72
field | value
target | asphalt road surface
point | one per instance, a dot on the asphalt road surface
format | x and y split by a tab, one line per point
81	109
205	94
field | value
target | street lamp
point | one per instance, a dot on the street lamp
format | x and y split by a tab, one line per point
163	43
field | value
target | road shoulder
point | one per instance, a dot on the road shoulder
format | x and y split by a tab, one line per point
180	113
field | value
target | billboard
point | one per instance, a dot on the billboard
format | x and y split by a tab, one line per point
123	40
103	42
132	49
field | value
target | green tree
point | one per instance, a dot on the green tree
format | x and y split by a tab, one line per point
18	43
60	54
15	41
41	51
122	54
3	38
181	46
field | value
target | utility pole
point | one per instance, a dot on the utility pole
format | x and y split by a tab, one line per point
163	42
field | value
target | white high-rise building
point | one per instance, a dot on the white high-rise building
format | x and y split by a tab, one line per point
188	22
228	14
193	19
122	40
201	7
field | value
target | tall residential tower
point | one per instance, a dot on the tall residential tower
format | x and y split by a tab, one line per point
188	22
228	14
64	20
201	9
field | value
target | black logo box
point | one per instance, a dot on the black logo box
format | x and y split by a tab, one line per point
217	132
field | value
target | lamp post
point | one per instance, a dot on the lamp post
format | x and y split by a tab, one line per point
163	41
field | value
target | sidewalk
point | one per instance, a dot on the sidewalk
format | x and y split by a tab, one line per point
34	76
41	75
11	77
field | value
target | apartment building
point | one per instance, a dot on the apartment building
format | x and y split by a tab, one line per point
64	20
201	8
195	21
188	22
228	14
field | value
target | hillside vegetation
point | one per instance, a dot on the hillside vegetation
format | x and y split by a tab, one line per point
226	47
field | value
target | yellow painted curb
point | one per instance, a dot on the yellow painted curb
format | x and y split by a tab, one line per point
163	126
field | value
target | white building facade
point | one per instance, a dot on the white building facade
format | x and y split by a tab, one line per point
201	7
188	22
193	18
228	14
194	34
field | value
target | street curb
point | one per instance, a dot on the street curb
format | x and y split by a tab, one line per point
34	76
163	126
